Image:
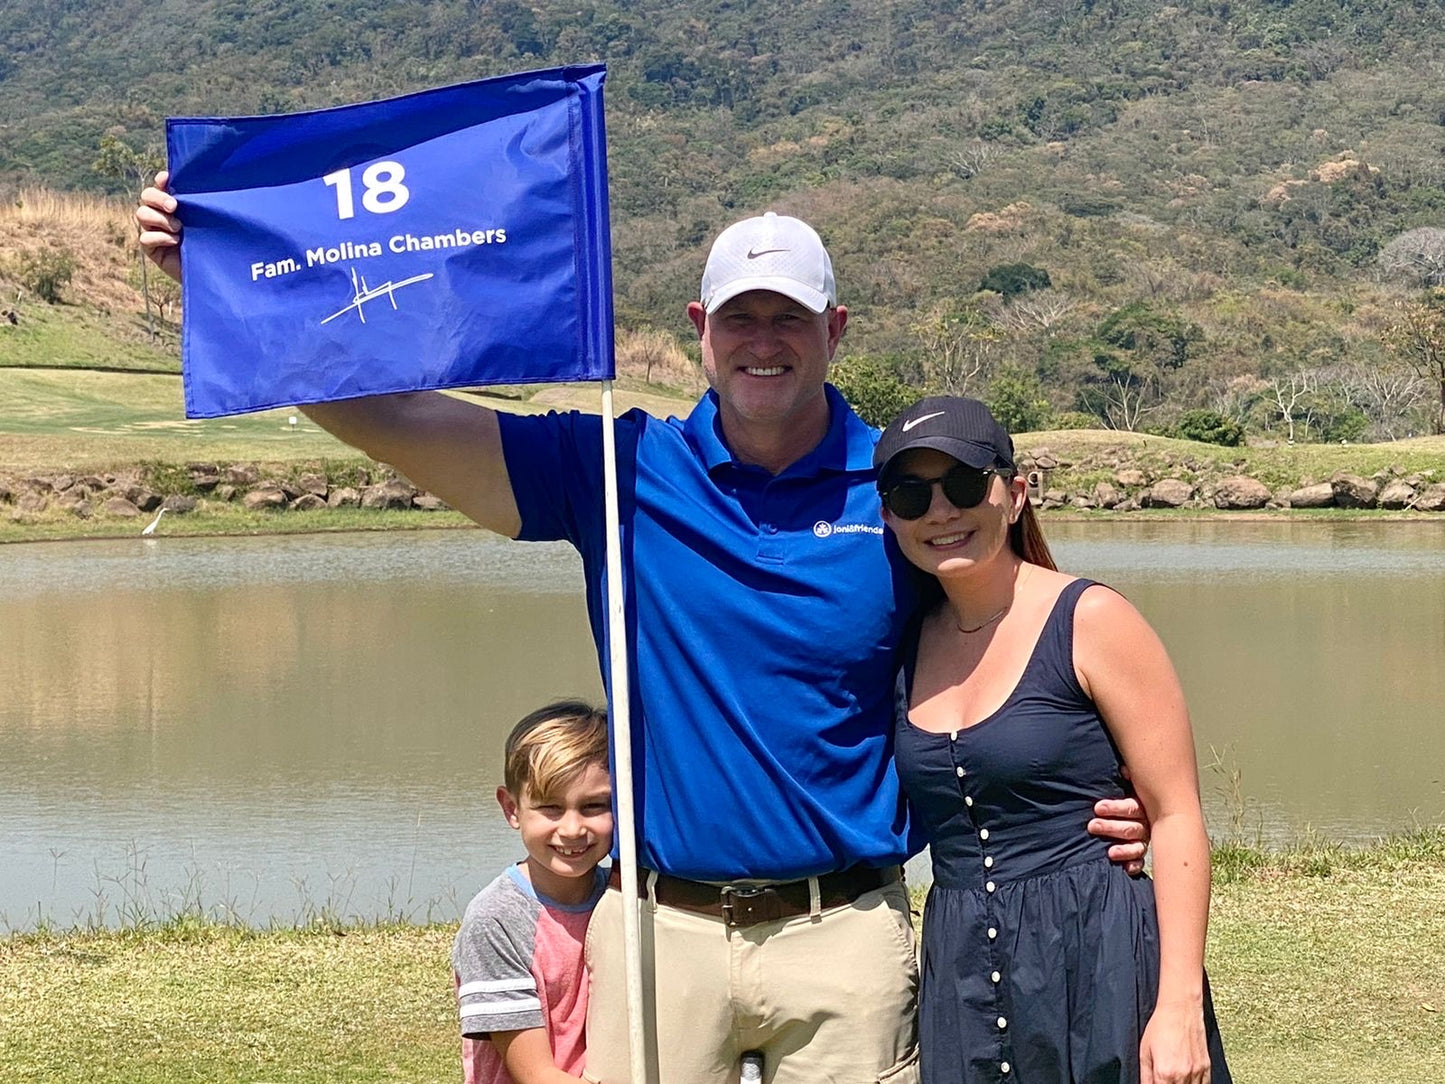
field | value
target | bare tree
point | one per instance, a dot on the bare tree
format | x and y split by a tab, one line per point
1416	257
958	345
1290	393
1125	402
134	168
1037	310
970	159
1236	397
1389	395
1418	337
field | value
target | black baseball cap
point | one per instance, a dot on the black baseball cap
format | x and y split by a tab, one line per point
952	424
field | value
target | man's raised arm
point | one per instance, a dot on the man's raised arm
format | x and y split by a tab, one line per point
446	445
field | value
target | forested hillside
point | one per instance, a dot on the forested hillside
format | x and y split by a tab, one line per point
1215	215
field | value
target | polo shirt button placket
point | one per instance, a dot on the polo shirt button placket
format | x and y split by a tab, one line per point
771	544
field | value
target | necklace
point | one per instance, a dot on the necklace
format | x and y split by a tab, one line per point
983	624
1002	610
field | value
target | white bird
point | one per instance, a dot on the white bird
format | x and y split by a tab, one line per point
151	527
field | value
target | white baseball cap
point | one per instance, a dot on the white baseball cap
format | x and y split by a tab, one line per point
772	252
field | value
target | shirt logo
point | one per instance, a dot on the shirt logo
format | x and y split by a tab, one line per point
919	421
824	529
763	252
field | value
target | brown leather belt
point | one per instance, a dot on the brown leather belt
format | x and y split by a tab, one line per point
747	905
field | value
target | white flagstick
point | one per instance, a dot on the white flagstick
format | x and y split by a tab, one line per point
622	747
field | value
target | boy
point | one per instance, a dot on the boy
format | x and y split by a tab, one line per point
518	958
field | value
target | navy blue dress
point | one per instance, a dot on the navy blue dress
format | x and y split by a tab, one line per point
1040	956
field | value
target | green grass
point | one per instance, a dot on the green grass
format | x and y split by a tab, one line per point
1323	971
92	420
1277	466
217	518
81	337
86	420
204	1003
1325	964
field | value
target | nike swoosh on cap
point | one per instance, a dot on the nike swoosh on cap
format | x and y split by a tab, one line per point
919	421
764	251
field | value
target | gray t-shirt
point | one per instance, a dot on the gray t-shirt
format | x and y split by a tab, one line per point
519	963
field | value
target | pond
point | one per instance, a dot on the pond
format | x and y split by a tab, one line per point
283	727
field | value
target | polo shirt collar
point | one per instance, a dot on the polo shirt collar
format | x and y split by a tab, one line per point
846	446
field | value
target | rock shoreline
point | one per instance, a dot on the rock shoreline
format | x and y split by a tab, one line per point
1054	483
138	491
1129	488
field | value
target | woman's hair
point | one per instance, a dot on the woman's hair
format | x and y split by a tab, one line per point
1026	538
552	746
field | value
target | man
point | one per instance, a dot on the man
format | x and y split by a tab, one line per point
763	612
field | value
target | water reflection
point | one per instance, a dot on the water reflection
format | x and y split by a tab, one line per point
285	723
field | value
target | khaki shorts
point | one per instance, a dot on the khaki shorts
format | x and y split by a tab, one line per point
827	999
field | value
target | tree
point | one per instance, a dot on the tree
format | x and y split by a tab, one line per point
873	388
1015	396
121	162
1137	352
1157	337
1416	257
1418	336
971	158
1290	393
47	272
1209	427
1009	279
1121	398
958	345
1040	310
1385	392
1235	397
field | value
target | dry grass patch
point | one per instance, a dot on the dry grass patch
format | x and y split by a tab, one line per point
654	357
98	233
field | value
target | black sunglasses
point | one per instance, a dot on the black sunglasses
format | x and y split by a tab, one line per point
964	486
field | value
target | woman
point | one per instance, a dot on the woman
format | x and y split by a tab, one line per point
1020	694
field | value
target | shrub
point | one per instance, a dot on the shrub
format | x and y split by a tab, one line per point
873	389
1016	398
46	272
1350	424
1010	279
1209	427
1076	419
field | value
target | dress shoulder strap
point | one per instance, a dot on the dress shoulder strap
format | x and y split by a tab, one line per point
1053	659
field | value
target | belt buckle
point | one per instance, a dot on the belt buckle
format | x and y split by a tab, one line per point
748	906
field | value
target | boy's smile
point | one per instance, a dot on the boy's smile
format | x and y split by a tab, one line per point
565	834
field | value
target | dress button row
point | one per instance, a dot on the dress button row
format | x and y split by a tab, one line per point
990	886
988	862
1002	1023
968	801
959	772
992	933
983	833
1003	1068
995	976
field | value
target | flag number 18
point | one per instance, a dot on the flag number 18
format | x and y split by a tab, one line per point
382	190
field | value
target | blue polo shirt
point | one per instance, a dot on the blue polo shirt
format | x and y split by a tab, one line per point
762	613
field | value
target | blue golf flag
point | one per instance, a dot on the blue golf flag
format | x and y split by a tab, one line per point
449	238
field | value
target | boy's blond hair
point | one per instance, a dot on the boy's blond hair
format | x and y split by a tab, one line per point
552	746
